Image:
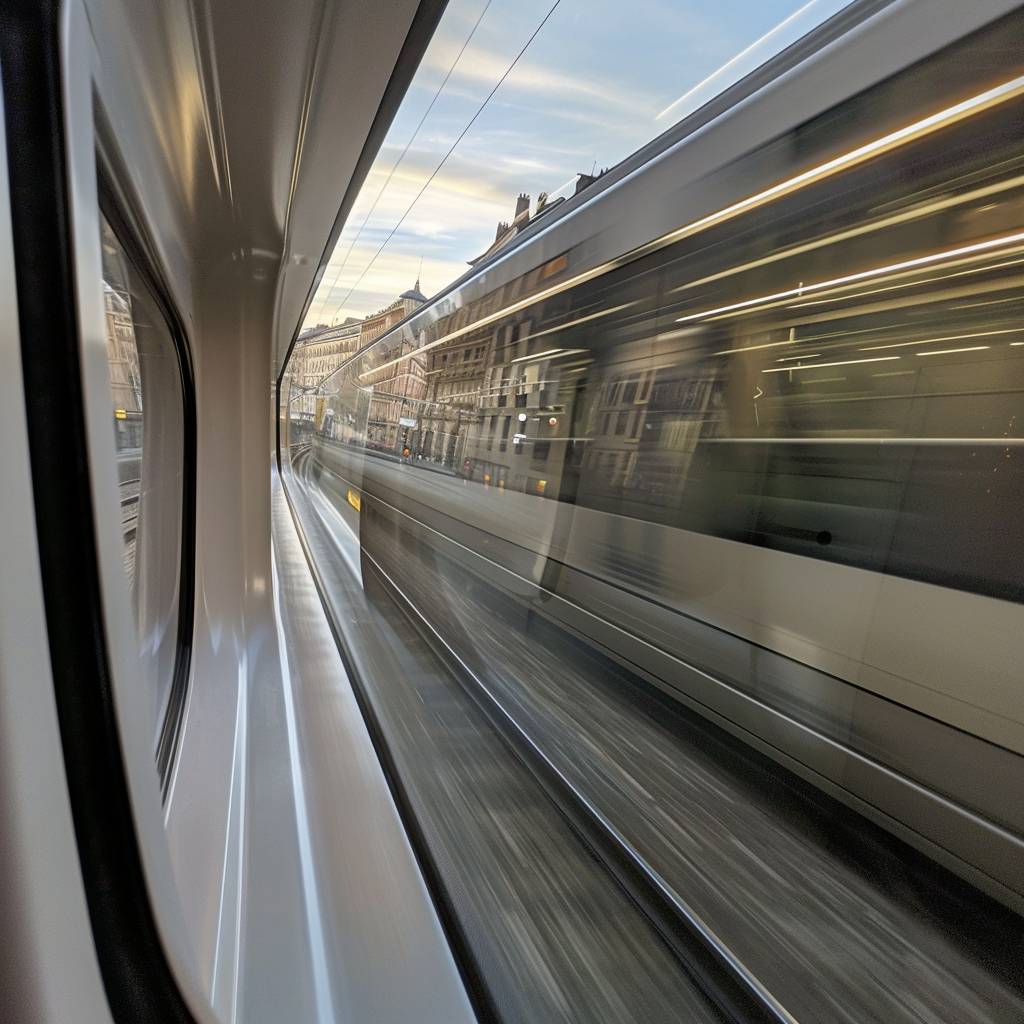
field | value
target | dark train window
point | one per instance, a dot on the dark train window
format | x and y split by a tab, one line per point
147	424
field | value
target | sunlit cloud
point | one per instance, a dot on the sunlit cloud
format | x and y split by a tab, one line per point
486	66
584	95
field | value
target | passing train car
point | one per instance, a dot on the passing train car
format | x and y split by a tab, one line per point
630	631
770	456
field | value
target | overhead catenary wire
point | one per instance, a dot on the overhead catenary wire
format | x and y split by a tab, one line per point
402	155
451	149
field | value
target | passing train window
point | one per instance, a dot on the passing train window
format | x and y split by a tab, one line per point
147	423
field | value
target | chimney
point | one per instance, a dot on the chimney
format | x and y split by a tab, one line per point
522	204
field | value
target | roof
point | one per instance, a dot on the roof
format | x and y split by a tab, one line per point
414	293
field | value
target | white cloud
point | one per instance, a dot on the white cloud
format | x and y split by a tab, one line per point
485	66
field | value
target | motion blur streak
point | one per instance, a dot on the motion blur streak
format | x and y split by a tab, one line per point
919	129
863	275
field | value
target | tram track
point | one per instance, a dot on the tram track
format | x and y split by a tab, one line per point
546	931
720	974
723	977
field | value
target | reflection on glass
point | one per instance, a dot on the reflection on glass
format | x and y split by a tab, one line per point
147	420
126	391
770	462
809	397
463	171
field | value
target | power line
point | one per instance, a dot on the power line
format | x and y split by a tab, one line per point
401	157
451	149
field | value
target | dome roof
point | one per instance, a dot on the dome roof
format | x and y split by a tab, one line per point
414	293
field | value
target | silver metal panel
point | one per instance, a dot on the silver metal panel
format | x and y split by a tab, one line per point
131	701
856	746
232	129
914	643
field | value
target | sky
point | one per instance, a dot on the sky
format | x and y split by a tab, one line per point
598	81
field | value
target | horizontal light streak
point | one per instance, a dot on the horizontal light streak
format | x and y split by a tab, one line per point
925	126
524	439
947	337
515	307
538	355
549	354
950	351
756	348
863	275
801	341
969	107
821	366
998	442
836	296
734	60
579	320
901	306
903	217
809	355
990	302
843	295
847	298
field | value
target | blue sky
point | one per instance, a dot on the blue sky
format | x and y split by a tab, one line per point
588	90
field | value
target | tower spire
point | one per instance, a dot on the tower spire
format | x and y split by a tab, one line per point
419	274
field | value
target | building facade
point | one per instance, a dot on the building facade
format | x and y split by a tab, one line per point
320	353
399	389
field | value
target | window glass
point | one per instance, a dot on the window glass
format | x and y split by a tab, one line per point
761	471
147	421
516	108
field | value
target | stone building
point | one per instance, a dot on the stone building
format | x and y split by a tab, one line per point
400	387
457	377
524	216
319	353
322	350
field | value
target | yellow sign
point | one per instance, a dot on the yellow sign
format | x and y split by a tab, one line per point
120	414
353	500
